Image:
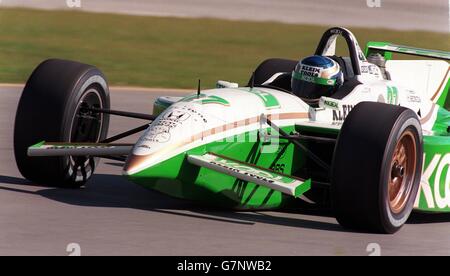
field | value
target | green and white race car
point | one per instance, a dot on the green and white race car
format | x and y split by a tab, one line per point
374	151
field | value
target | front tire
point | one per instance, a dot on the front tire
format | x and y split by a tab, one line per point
377	167
51	109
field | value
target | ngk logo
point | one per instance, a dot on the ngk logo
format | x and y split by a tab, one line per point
434	197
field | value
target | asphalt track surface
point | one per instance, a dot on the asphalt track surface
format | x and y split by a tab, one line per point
112	216
394	14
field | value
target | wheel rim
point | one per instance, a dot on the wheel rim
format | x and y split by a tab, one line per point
403	166
87	125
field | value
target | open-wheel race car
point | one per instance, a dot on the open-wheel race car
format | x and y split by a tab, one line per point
374	149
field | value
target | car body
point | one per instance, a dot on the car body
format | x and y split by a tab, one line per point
222	121
223	146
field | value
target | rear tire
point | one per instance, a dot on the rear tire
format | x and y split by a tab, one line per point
270	67
50	109
377	167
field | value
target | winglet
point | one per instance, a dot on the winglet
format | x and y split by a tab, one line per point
38	145
248	172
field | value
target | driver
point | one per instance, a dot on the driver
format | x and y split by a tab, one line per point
316	76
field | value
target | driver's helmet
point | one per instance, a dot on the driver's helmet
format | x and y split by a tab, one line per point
316	76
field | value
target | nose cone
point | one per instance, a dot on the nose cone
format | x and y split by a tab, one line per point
148	163
171	134
155	147
135	164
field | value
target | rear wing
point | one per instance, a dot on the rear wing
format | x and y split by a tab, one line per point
386	49
441	97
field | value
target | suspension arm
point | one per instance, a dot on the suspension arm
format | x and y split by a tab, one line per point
122	113
309	153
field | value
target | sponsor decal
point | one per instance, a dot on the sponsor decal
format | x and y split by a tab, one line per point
249	171
392	95
196	114
341	114
336	31
61	147
278	168
370	69
269	100
159	135
160	131
174	117
366	90
177	115
365	69
310	71
313	79
331	104
166	123
435	182
414	99
144	146
242	170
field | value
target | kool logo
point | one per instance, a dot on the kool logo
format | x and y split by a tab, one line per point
340	115
436	197
331	104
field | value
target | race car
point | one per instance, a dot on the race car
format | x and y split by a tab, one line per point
373	151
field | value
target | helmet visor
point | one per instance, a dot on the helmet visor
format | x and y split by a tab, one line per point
310	87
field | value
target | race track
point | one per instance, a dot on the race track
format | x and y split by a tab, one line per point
393	14
114	217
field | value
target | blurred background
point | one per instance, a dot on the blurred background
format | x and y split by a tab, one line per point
172	43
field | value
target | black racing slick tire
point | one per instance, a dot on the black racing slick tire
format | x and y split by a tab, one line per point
270	67
53	108
377	167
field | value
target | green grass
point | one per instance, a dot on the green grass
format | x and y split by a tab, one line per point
164	52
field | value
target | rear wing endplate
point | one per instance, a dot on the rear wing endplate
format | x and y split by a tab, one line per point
248	172
387	49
